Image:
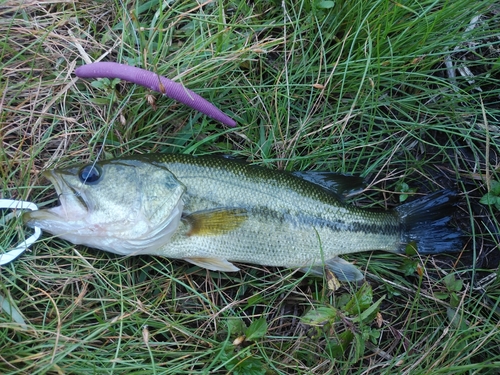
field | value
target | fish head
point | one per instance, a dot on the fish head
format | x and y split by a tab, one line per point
127	207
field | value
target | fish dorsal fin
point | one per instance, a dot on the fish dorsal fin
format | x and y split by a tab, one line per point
214	264
215	222
340	185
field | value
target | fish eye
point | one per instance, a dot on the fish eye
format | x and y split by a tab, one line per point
90	174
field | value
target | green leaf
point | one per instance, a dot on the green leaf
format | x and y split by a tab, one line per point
319	316
374	335
338	348
454	300
325	4
369	314
243	363
102	83
456	318
403	187
360	301
489	199
411	248
409	266
343	300
441	295
115	81
495	187
393	292
236	326
453	284
257	329
254	300
359	347
100	101
249	366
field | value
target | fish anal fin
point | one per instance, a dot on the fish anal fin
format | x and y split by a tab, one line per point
214	264
343	270
215	222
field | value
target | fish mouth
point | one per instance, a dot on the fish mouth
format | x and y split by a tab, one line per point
73	205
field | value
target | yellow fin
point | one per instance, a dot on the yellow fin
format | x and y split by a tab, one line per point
214	222
214	264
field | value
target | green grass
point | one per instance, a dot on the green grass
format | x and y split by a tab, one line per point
362	88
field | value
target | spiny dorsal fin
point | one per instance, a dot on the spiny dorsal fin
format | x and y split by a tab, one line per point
215	222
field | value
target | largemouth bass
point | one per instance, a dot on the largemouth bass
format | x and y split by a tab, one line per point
213	211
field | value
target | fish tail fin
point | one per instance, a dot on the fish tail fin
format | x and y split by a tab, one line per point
425	222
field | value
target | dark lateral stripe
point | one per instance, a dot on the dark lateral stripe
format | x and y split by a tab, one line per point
383	228
354	226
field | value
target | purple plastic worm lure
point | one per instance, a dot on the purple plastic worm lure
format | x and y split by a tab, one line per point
154	82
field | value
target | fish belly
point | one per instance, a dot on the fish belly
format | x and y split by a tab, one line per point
285	243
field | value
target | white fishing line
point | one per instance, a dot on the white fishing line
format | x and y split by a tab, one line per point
18	207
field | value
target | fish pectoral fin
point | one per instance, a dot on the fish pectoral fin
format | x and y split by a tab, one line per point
214	264
343	270
215	222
